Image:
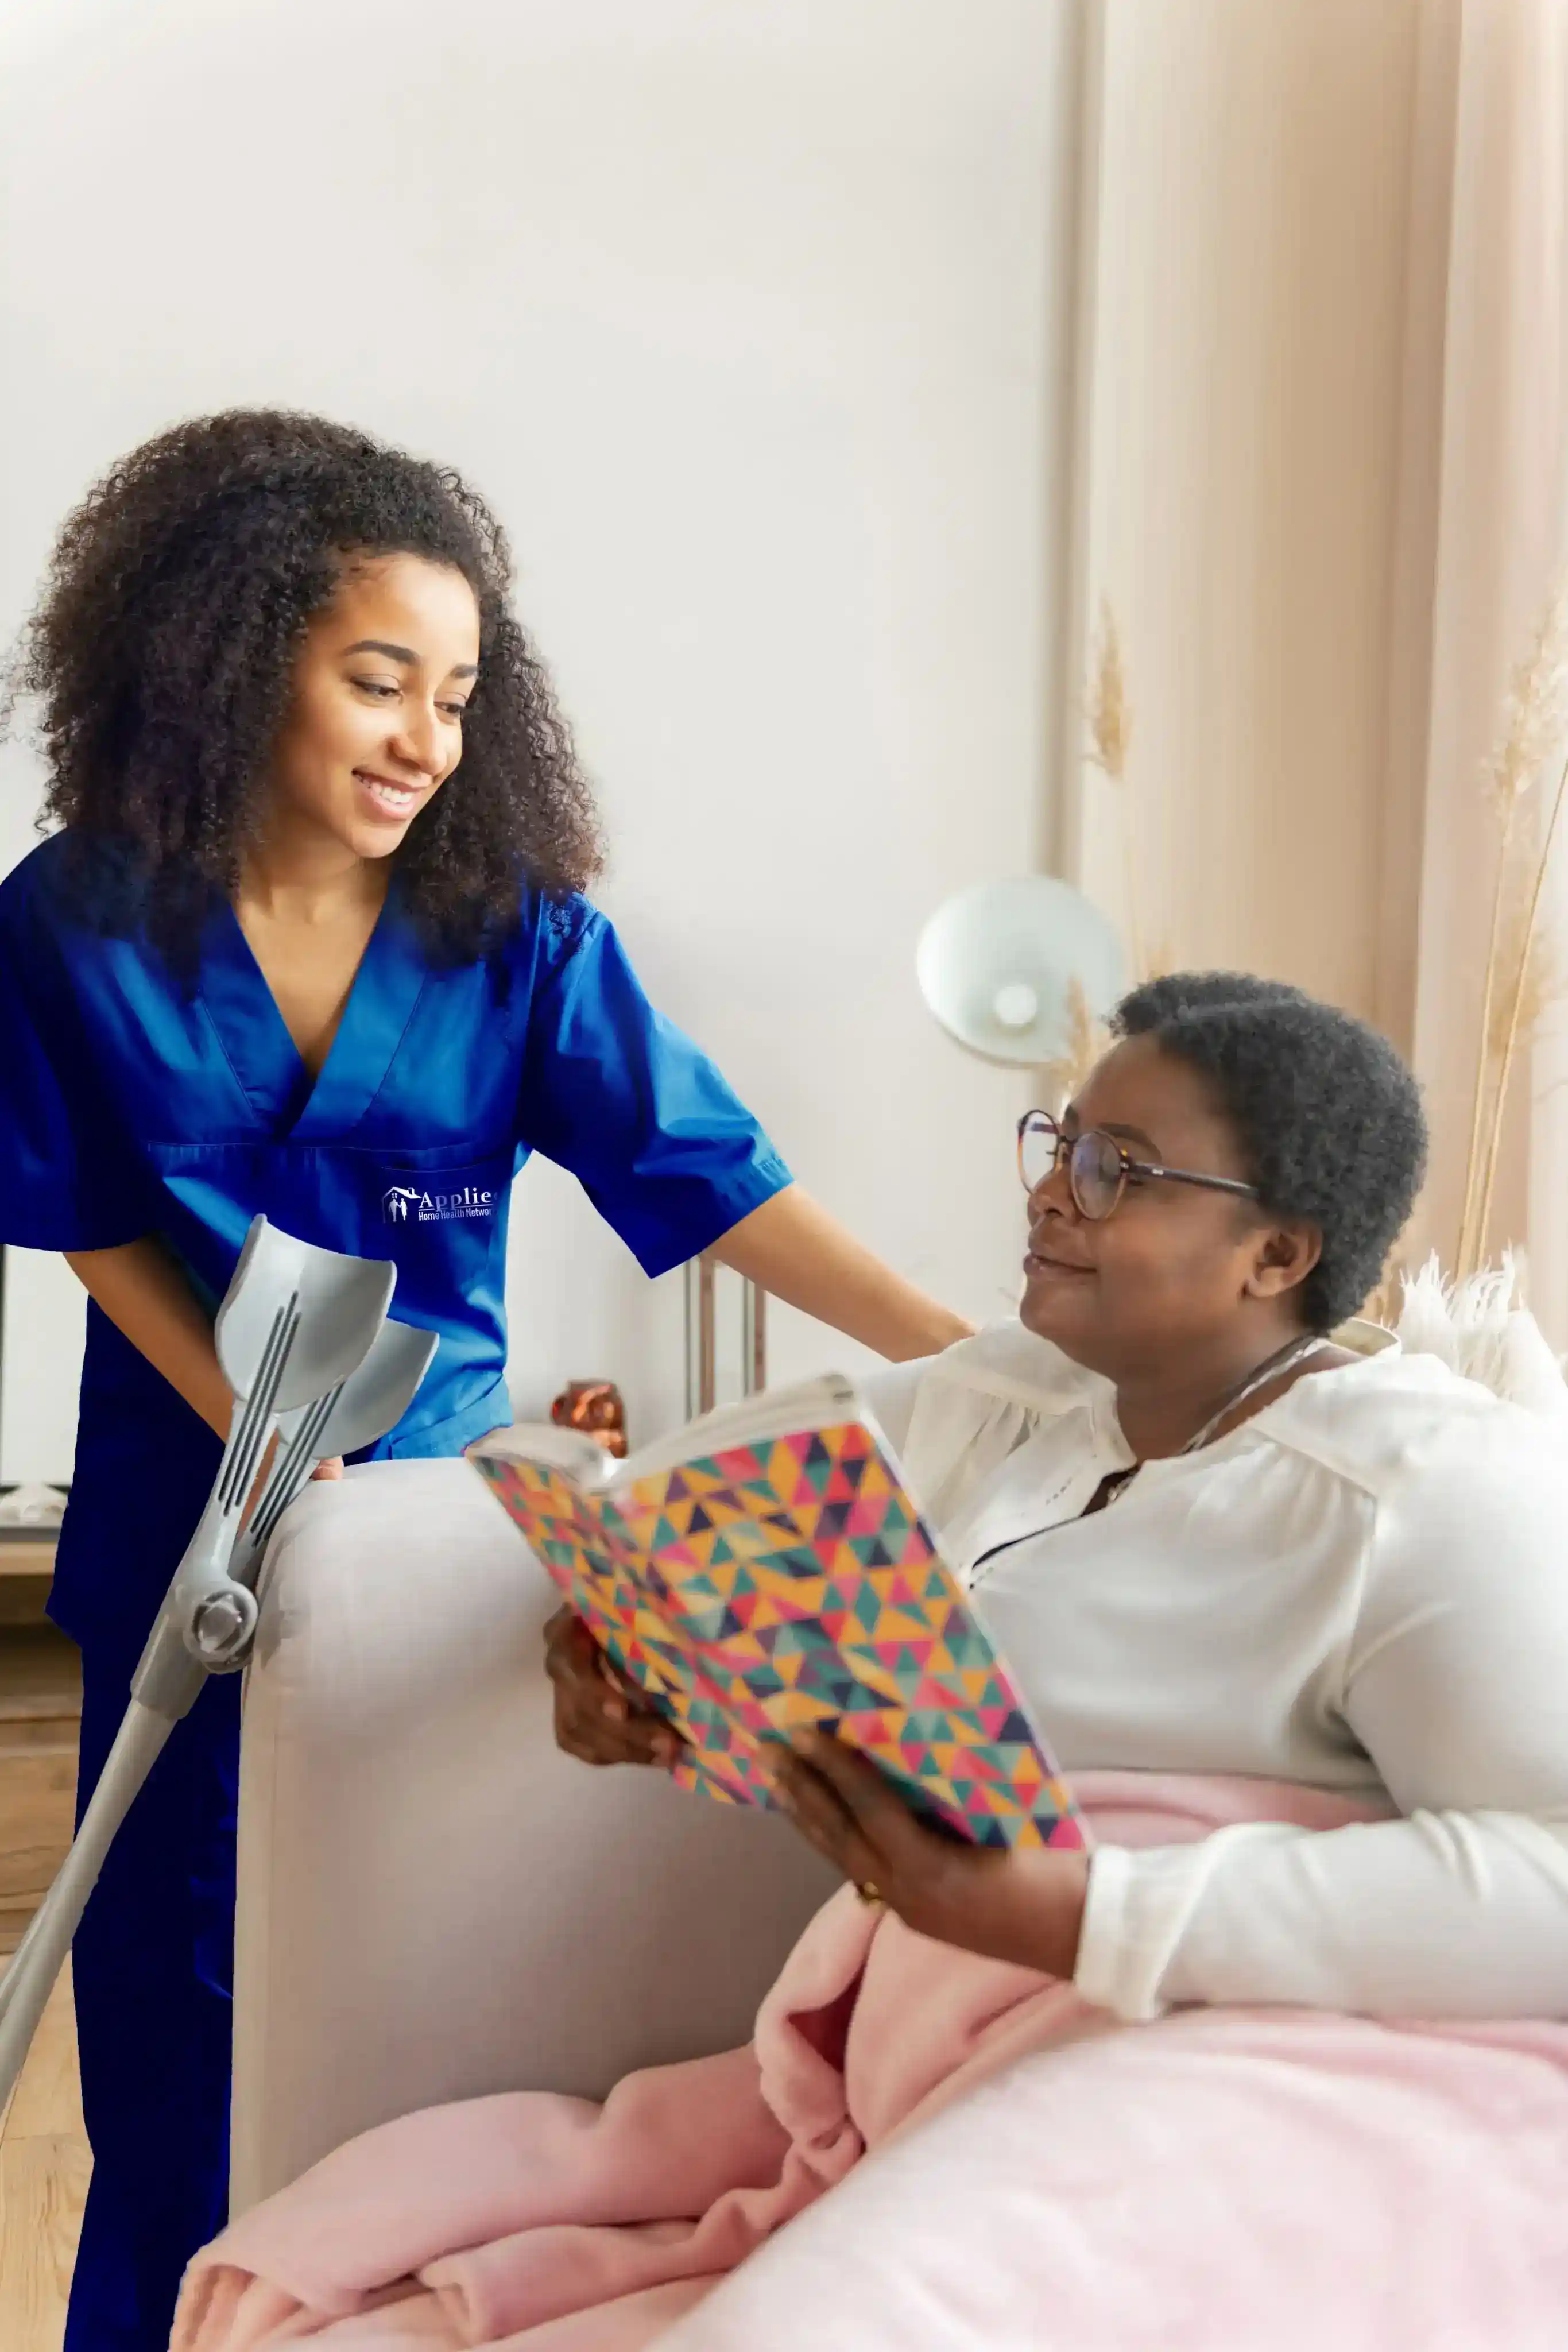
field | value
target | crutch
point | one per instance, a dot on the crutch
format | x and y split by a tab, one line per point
297	1323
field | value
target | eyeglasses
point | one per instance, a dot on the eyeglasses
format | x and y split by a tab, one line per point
1098	1169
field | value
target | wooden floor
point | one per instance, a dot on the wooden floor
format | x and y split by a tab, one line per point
44	2159
43	2169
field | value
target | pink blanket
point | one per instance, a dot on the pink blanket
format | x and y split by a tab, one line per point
1036	2177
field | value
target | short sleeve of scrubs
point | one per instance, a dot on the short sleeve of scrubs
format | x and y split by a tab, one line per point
619	1096
69	1180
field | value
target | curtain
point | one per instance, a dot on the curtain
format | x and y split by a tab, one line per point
1480	546
1320	454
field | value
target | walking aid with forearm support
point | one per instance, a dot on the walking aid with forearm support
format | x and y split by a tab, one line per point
305	1345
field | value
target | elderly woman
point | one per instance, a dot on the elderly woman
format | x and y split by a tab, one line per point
1209	1539
1222	1550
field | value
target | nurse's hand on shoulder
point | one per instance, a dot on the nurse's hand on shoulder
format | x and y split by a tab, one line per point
597	1719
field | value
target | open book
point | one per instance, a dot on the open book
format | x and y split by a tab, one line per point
767	1569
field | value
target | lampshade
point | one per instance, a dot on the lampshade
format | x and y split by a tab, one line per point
997	965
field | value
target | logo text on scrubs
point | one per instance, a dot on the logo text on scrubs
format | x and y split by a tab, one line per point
404	1205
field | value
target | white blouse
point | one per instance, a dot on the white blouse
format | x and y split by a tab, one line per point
1363	1589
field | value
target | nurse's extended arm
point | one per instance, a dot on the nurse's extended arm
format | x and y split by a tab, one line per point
796	1251
674	1161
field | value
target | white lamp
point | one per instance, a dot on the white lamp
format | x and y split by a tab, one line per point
997	966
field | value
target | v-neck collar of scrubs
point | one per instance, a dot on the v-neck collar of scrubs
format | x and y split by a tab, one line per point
270	1069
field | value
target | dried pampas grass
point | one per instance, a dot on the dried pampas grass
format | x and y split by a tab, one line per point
1523	975
1532	711
1087	1040
1541	983
1111	743
1109	711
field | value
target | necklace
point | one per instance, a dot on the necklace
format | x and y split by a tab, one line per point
1112	1489
1283	1359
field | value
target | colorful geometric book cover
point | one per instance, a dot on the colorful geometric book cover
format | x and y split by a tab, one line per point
768	1570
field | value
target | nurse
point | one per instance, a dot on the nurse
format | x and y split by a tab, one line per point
309	941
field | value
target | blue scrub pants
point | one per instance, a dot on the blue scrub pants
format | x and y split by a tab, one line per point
153	1978
153	1959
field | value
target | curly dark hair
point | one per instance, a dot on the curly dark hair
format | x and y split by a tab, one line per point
1328	1117
163	649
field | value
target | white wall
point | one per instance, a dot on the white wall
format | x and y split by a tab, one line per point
749	315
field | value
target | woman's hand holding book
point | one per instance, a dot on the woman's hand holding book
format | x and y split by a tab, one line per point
597	1718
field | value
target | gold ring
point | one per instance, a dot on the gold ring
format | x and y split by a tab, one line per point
870	1894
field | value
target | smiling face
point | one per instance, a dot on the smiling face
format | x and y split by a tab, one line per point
1177	1267
374	726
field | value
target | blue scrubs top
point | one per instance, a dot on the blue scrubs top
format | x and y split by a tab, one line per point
135	1101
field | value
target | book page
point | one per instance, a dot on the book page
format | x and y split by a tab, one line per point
572	1451
757	1420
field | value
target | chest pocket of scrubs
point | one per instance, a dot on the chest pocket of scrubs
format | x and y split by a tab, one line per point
442	1220
414	1195
442	1223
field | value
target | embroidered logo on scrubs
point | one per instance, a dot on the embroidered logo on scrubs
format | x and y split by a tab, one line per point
404	1205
